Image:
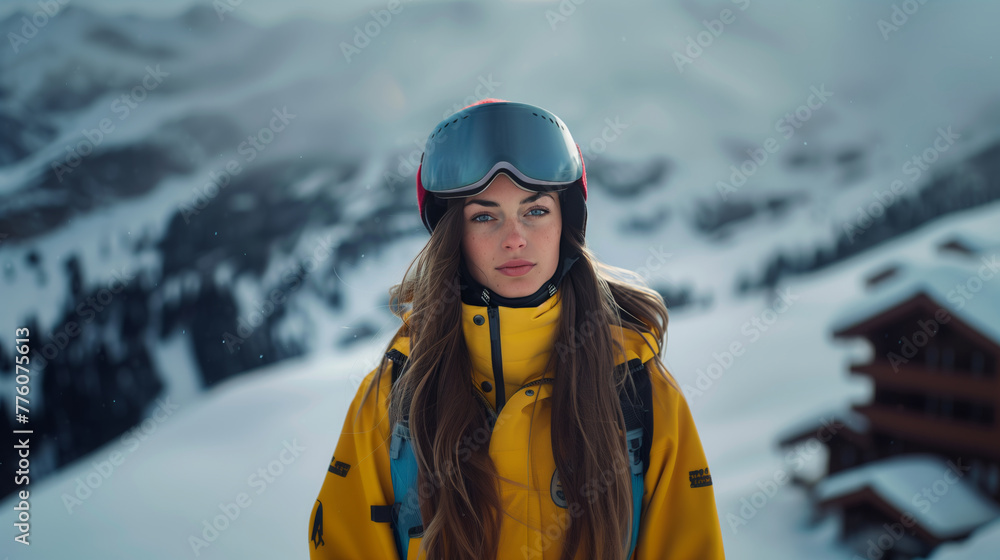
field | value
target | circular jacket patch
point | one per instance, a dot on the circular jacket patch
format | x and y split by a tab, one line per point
555	488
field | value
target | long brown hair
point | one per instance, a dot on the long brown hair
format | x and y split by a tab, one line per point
458	485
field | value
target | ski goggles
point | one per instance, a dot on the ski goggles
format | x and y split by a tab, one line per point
467	150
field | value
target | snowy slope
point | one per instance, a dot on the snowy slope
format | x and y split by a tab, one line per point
208	451
605	62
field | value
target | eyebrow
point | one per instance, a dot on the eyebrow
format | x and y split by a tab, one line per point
493	204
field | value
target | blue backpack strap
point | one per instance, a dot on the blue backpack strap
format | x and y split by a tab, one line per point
403	516
639	436
404	488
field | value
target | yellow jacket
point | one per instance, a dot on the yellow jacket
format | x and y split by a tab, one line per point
679	517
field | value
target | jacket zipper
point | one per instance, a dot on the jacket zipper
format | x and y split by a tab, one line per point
494	314
537	382
489	407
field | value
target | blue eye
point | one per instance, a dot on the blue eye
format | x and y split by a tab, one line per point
488	218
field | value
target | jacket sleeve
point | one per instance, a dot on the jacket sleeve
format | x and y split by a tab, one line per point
679	516
358	477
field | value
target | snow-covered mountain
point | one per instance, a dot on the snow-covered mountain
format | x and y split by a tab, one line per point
159	178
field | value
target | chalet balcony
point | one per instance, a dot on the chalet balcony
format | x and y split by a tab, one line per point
933	382
944	433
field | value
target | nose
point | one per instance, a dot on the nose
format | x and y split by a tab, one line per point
513	236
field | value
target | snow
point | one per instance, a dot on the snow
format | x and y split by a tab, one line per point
977	306
982	240
205	454
889	97
175	354
984	543
911	485
832	418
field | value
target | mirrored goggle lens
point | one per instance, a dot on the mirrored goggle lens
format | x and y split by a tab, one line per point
465	151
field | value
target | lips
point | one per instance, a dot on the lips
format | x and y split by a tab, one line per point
517	267
515	263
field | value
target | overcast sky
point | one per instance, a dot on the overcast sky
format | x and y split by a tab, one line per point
261	11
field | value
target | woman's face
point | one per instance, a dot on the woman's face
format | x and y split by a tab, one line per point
510	237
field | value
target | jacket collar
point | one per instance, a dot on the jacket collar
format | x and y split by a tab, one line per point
526	338
475	293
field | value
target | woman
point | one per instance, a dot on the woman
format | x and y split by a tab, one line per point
522	410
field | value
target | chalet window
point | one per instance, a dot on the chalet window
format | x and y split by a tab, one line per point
963	411
932	356
946	406
886	397
975	412
914	402
848	456
933	405
939	406
977	363
990	366
908	401
948	358
982	413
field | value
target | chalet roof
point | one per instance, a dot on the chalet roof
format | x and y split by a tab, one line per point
959	509
814	425
937	281
984	543
975	242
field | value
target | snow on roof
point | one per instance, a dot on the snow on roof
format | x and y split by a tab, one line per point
984	543
939	282
981	240
902	481
846	416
